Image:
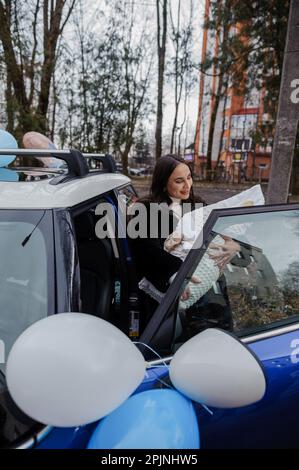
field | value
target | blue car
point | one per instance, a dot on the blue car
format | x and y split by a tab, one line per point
53	262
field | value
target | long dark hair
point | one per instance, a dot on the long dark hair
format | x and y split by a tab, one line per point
162	171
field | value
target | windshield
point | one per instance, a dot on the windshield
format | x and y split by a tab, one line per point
26	271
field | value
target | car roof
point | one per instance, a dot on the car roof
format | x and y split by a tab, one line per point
44	195
55	185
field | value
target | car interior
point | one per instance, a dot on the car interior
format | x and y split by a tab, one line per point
96	267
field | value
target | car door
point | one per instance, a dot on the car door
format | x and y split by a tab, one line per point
103	283
259	291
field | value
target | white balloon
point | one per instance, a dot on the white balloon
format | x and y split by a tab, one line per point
71	369
215	369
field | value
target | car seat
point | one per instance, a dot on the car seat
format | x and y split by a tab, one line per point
96	268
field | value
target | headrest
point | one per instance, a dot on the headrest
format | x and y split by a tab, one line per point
85	226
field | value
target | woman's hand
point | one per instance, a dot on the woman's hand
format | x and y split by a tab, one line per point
186	292
227	252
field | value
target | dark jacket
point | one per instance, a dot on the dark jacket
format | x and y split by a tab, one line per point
151	260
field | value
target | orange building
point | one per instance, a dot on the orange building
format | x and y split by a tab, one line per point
234	152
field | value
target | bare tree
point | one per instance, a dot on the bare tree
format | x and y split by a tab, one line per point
108	92
82	37
27	60
182	63
161	47
136	63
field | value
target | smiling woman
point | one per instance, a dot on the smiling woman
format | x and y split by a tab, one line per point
171	195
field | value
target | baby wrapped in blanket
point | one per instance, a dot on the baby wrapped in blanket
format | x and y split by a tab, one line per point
180	242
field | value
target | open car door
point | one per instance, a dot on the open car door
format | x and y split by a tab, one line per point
257	299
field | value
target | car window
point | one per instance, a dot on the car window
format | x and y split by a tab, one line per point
259	287
127	196
26	296
23	274
265	290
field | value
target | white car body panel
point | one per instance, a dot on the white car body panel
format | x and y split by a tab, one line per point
43	195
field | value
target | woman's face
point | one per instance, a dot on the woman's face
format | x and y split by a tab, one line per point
179	183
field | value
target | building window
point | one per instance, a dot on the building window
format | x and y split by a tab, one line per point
246	144
239	144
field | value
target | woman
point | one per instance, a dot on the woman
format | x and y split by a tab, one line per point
171	188
171	194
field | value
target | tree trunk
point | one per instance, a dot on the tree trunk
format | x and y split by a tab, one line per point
221	88
125	155
223	121
183	64
13	69
215	106
161	44
175	32
29	116
294	186
9	104
51	34
54	92
288	115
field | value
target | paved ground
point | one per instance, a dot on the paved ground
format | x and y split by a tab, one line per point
215	194
210	192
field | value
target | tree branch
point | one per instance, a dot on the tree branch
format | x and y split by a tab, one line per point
32	62
67	16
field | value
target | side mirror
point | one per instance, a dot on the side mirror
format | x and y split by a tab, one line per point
216	369
71	369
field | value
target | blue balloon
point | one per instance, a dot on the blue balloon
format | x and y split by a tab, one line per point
7	141
8	175
155	419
